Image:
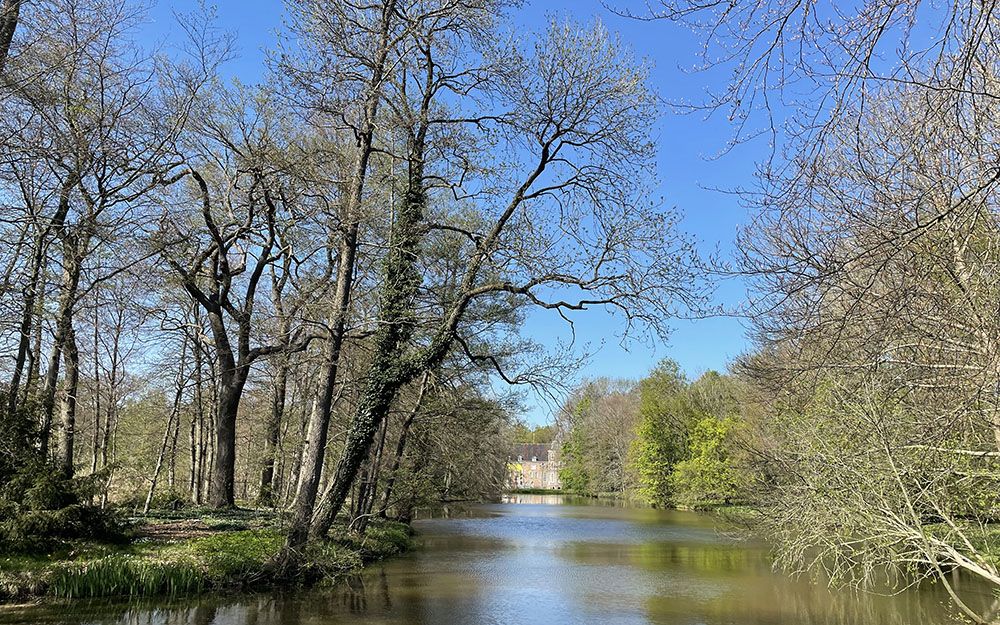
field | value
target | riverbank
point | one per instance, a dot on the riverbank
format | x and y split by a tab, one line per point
190	553
554	561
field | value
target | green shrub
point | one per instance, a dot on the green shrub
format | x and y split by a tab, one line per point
39	506
387	538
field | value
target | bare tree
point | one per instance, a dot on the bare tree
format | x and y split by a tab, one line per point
875	262
579	109
239	197
343	76
86	143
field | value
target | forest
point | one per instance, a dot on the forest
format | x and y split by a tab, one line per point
299	295
296	308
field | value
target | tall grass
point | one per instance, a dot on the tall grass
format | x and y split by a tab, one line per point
125	574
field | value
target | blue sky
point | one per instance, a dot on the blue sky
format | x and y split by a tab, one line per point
690	169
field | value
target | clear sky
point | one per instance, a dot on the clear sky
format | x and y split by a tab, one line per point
690	171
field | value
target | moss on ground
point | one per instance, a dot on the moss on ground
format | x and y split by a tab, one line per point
212	553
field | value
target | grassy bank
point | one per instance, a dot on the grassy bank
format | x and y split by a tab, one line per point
186	555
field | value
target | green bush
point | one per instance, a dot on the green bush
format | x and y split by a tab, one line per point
387	538
39	506
235	557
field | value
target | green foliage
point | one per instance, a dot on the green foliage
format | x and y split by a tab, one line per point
39	506
680	452
661	437
573	474
348	551
225	559
706	477
537	434
385	538
234	558
125	575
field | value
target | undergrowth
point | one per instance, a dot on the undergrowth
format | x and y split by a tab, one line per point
226	560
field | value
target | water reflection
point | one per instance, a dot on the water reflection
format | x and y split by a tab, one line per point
544	560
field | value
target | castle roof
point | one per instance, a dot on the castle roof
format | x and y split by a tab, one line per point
527	451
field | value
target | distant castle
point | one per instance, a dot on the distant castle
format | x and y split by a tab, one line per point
534	466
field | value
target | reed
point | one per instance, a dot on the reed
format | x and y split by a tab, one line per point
125	575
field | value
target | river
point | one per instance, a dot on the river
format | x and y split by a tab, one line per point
547	560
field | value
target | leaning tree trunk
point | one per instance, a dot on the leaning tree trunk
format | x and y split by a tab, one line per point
313	454
314	449
387	373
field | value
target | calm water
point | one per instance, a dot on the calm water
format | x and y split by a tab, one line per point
543	560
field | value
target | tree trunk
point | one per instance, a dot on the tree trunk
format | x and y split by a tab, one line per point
197	424
96	441
401	446
172	469
67	433
9	10
232	376
368	487
315	448
221	492
34	355
64	323
208	455
67	300
294	475
175	408
272	434
31	291
386	373
193	478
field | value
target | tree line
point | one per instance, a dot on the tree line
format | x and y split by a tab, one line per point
663	440
300	293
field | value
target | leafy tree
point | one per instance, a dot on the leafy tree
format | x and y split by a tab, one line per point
573	474
707	476
538	434
680	452
661	439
